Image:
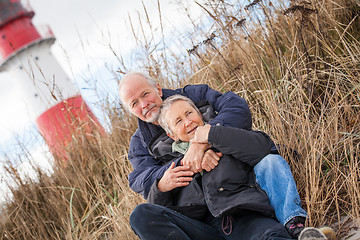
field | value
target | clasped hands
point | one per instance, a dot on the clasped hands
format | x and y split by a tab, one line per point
198	157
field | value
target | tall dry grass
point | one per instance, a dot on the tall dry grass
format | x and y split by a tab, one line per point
297	65
87	196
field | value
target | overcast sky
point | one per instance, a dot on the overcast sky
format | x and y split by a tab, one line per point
83	30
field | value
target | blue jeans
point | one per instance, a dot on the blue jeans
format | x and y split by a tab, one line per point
154	222
274	176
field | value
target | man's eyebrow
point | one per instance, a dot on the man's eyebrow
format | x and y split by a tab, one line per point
132	100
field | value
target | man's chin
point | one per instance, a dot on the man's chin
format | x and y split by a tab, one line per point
153	118
152	115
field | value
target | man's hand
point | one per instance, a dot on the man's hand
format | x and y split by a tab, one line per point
201	134
175	177
210	160
194	156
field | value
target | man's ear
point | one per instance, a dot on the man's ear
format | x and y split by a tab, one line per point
159	90
171	136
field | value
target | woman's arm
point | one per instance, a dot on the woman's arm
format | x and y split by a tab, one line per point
247	146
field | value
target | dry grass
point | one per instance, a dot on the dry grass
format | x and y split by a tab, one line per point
87	197
298	66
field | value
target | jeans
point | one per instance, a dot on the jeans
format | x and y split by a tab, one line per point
274	176
154	222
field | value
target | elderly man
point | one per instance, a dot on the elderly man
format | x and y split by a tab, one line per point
143	97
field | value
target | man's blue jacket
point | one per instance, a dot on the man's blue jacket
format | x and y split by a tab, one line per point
231	110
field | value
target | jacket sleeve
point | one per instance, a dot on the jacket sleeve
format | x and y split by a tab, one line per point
247	146
160	198
232	110
146	168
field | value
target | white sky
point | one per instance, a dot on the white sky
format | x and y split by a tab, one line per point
83	31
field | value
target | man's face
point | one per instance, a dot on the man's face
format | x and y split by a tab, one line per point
183	121
143	99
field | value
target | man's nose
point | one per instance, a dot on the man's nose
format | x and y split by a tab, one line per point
143	104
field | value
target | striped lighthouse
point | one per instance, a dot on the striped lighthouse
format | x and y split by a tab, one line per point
60	109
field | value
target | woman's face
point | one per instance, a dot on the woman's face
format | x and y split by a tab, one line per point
183	120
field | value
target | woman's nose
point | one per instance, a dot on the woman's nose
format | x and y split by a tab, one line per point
187	122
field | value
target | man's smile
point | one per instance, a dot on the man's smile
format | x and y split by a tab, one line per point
149	110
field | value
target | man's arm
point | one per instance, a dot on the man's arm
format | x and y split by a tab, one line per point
146	168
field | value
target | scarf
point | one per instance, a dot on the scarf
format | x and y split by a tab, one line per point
179	146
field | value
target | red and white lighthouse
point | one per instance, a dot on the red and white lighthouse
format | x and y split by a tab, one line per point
60	109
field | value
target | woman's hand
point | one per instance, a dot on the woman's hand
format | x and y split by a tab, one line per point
201	134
